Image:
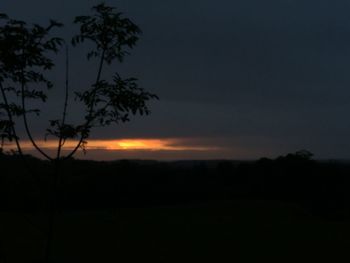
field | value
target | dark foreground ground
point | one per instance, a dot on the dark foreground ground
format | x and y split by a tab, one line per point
241	231
287	210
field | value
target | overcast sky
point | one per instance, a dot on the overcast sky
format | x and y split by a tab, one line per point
265	77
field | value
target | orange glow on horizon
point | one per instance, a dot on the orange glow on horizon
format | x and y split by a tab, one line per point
122	145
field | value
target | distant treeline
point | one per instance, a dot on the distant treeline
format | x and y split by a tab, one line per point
320	188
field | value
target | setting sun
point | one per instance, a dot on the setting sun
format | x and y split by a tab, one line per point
135	144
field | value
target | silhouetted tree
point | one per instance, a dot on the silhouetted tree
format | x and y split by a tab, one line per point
25	58
299	156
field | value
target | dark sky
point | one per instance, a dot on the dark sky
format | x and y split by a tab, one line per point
266	77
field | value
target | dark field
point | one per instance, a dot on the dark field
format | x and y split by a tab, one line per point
284	210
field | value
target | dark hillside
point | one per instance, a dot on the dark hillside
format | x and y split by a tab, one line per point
320	188
290	209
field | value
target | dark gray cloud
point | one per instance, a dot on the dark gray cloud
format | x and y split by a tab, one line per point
270	74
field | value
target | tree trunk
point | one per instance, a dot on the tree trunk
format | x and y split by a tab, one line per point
52	211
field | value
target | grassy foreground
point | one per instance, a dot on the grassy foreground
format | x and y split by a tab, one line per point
227	231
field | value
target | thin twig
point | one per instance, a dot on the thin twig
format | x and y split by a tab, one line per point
64	114
26	126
